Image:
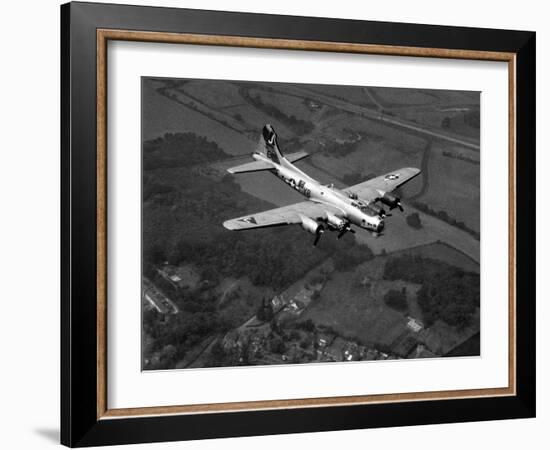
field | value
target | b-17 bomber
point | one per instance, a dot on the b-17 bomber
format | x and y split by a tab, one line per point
326	207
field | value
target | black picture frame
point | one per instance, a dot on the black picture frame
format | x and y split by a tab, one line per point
80	425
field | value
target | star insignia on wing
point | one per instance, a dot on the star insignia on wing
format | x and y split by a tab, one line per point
249	220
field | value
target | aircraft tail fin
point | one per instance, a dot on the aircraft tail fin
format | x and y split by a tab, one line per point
270	146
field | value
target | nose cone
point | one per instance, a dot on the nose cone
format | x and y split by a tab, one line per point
374	224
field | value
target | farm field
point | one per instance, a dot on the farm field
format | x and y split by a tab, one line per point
458	195
357	312
162	115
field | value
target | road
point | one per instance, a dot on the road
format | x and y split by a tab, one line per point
157	299
376	115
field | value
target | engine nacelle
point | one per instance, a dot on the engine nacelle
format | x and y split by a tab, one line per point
311	226
335	222
376	210
391	200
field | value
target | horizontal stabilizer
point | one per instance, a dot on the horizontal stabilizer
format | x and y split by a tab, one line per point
251	167
256	166
293	157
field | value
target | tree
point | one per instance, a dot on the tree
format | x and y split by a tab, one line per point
274	326
397	300
413	220
277	345
167	151
217	351
447	293
168	356
265	311
307	325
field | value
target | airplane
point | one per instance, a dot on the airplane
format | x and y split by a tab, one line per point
325	207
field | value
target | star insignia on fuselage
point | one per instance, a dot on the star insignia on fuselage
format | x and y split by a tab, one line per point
391	176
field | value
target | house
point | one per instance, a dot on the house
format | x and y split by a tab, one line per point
372	354
324	339
304	296
414	324
232	340
366	282
278	303
182	277
313	105
421	351
351	352
404	345
335	351
295	307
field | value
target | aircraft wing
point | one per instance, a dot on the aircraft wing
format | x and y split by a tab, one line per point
255	166
286	215
371	189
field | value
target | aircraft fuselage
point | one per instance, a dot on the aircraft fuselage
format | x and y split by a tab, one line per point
352	210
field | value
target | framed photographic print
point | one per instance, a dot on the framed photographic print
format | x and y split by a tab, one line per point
276	224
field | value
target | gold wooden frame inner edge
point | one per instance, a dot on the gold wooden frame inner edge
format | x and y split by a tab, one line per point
103	36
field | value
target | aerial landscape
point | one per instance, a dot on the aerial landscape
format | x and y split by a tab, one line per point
213	297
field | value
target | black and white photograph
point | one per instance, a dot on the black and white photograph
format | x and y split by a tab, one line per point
298	223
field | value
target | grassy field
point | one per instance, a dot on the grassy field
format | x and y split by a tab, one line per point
445	253
458	194
393	97
434	117
289	104
216	94
399	235
162	115
343	92
357	312
371	157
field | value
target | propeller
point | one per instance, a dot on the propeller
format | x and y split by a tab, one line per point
391	200
318	234
397	205
345	230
